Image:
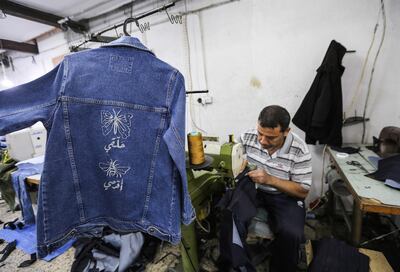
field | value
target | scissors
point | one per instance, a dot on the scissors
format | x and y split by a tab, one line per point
357	164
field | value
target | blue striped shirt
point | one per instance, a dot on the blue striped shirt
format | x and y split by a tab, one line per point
291	162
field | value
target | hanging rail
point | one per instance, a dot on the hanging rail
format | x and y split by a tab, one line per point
141	16
98	38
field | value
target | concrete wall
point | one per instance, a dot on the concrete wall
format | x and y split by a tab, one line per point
253	53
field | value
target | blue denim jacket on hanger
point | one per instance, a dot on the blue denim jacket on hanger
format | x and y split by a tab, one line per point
115	156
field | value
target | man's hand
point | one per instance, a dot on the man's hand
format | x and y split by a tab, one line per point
260	176
286	186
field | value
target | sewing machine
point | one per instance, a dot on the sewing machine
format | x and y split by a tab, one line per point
223	163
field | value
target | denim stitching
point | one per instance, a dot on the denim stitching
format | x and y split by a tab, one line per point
65	75
178	137
129	45
51	103
152	167
57	106
72	162
61	91
121	64
73	232
44	200
173	197
169	90
113	103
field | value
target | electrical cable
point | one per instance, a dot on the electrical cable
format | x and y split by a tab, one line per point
322	180
203	51
357	90
202	227
190	80
187	254
323	171
373	68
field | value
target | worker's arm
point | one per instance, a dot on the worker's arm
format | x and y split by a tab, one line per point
286	186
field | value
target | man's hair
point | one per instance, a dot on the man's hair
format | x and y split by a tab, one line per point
274	115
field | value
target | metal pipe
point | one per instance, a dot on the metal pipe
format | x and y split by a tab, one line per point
346	217
379	237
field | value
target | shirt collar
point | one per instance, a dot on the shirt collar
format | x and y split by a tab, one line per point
286	145
128	41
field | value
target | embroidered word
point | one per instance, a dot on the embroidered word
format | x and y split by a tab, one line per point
114	144
116	122
114	184
113	169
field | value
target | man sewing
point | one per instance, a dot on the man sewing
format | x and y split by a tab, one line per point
283	178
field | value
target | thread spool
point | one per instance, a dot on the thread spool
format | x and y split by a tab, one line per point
196	150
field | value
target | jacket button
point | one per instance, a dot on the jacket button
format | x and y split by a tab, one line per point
151	229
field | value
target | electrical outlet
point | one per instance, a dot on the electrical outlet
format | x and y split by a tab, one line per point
204	100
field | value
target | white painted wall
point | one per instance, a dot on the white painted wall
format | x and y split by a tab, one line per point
253	53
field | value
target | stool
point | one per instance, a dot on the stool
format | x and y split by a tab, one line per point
259	227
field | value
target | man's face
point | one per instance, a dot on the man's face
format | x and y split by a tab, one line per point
271	139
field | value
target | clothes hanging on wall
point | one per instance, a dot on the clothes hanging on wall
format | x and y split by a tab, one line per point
115	154
320	113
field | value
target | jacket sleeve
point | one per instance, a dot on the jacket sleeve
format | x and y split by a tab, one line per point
174	137
26	104
323	103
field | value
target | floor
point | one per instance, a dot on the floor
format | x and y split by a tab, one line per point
166	258
62	263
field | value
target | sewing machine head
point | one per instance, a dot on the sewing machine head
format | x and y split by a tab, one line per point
227	158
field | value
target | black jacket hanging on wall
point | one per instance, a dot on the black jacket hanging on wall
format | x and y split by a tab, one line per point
320	113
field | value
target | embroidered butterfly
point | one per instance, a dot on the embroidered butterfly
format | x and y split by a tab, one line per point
113	169
117	123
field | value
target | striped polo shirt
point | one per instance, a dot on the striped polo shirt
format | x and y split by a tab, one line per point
291	162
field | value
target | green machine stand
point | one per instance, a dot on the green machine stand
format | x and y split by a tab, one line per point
204	181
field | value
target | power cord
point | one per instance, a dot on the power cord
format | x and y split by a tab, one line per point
373	68
190	80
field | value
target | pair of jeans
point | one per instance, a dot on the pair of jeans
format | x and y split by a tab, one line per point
286	219
18	180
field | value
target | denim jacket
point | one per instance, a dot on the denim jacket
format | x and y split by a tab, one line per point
115	154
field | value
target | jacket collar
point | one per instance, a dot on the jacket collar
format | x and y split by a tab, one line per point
128	41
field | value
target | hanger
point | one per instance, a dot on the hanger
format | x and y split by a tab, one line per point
128	21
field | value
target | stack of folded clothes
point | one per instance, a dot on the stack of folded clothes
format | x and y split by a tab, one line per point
388	171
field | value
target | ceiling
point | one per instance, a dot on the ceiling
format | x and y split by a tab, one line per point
21	30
